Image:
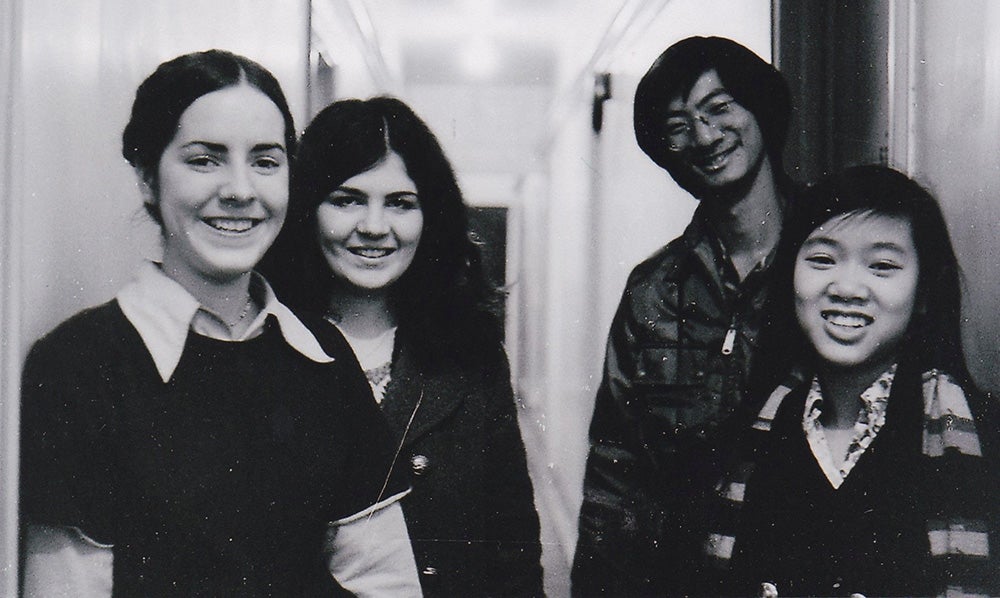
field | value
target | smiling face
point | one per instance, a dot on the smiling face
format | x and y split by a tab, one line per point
221	187
855	290
370	226
715	139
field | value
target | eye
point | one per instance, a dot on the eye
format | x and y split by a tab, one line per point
403	201
719	107
203	162
820	261
885	267
677	128
340	199
267	163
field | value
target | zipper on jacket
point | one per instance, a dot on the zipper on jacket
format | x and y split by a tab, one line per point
730	340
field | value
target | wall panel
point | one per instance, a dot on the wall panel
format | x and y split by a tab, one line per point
955	149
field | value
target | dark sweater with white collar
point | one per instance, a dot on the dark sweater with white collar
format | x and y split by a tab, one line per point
220	481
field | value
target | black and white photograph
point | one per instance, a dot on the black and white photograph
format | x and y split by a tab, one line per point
565	298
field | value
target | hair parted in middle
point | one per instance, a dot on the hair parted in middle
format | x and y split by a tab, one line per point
444	294
165	95
755	85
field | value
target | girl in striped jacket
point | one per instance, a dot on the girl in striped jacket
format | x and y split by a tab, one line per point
869	469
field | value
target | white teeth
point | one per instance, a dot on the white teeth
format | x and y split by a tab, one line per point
371	252
717	161
230	225
846	320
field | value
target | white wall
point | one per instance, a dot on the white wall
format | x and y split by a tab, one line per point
953	146
600	208
73	226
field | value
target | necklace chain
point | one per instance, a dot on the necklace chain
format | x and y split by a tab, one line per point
244	313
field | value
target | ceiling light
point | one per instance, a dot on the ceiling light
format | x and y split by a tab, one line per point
480	59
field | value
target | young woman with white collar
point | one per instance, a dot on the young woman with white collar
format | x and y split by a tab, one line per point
192	437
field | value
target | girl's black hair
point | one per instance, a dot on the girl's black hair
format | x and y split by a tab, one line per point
934	336
164	96
443	303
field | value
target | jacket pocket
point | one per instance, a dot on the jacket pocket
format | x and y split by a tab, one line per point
673	398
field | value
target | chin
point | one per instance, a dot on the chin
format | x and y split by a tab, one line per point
228	273
368	284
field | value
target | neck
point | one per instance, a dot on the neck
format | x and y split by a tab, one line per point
361	313
842	388
750	225
224	298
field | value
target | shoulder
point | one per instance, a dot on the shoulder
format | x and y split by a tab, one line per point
99	317
652	286
671	263
86	335
72	373
471	339
943	394
329	336
948	419
665	263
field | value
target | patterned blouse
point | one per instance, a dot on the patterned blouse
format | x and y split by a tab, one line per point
871	418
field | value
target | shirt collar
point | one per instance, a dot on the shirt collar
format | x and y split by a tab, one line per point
874	399
871	418
163	312
706	244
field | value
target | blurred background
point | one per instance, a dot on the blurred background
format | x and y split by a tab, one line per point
532	102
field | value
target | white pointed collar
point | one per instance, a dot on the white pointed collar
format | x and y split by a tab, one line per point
163	311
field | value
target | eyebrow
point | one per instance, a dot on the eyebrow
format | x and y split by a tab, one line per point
718	91
212	147
876	245
888	245
353	191
222	149
266	147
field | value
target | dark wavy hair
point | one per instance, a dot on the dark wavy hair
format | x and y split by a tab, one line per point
164	96
934	336
753	83
443	303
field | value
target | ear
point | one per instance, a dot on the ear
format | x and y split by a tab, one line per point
147	187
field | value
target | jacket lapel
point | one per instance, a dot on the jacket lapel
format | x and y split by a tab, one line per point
427	400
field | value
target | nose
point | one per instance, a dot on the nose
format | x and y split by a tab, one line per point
703	132
238	186
848	285
374	223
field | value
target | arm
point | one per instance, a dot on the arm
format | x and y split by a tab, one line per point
368	552
371	555
62	562
513	519
619	519
65	477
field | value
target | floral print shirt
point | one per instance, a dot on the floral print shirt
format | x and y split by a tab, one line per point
871	418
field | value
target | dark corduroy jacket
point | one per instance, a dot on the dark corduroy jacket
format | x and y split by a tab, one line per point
471	515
